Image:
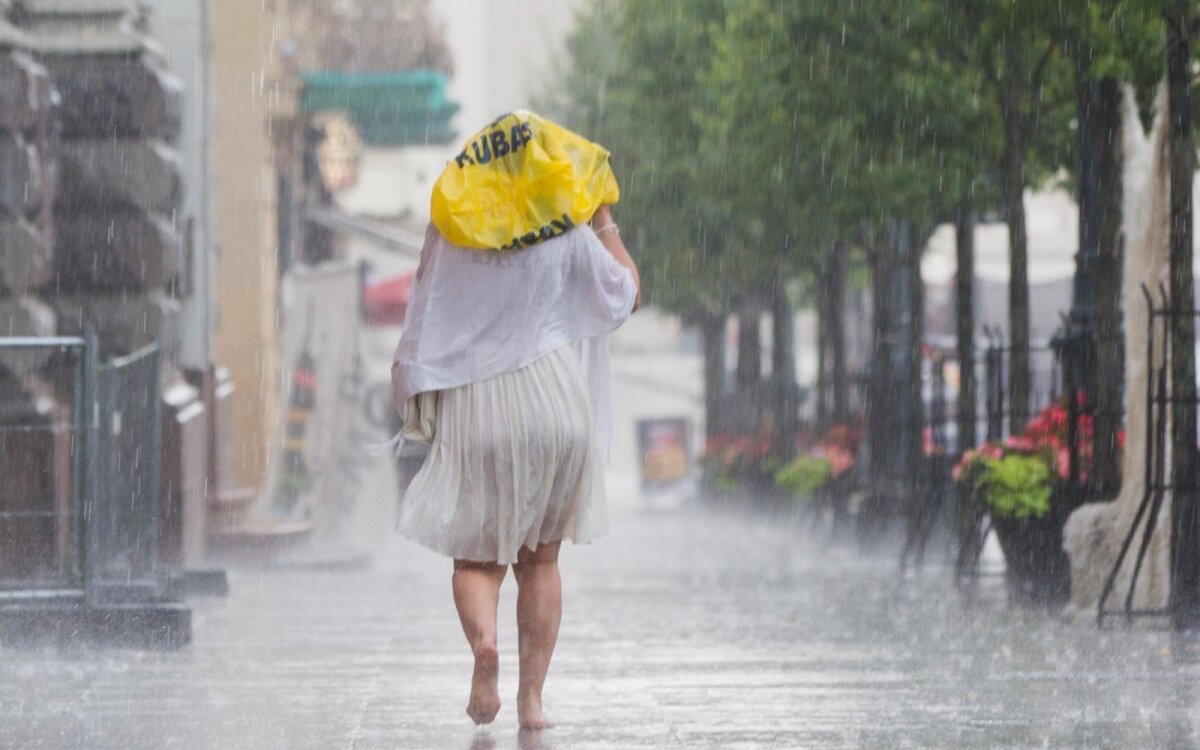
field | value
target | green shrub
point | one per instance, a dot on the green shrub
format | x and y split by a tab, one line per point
804	476
1016	485
726	482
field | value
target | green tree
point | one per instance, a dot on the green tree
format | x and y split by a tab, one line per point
633	83
634	88
1012	48
1108	43
831	127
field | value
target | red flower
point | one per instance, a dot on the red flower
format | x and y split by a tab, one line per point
840	460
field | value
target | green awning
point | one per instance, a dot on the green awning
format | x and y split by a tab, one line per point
401	108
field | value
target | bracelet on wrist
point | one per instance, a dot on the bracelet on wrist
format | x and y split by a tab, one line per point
610	227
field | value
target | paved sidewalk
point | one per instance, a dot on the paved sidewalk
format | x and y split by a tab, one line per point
694	629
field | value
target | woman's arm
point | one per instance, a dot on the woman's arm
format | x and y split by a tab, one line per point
611	239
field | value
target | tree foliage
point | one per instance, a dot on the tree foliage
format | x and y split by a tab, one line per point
753	137
750	135
635	85
756	138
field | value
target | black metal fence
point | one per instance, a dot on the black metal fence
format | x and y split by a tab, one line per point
994	423
1045	378
1055	370
1159	484
1093	398
1062	377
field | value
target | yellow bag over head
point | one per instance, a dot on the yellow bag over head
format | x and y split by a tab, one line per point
521	180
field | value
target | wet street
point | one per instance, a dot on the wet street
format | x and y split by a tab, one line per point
683	628
865	242
686	627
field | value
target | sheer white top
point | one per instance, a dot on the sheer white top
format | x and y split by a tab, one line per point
475	314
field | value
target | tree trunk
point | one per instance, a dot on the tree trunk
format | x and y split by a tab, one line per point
964	313
1110	359
823	395
783	368
895	409
1015	154
1018	281
1093	341
749	360
712	331
913	345
880	405
835	331
1185	511
748	377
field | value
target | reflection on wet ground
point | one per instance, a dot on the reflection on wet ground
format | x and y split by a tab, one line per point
691	628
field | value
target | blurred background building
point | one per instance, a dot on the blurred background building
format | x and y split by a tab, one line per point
185	376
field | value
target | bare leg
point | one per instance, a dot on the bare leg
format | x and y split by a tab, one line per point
476	595
539	610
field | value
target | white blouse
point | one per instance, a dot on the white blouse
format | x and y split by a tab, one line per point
476	314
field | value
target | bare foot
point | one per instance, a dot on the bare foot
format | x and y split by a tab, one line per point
529	714
485	697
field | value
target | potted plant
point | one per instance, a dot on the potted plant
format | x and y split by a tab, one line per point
804	476
1025	499
1029	487
737	464
822	470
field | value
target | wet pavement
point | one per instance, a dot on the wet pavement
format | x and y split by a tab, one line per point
684	628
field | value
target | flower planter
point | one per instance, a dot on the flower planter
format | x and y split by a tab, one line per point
726	487
1038	571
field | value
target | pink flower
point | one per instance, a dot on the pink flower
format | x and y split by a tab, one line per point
1022	443
1062	463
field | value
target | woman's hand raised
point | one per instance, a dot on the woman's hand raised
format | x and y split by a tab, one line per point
610	236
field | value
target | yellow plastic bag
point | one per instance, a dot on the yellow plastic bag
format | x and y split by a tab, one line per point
521	180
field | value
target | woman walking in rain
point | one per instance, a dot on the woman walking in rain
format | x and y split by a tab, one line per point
503	370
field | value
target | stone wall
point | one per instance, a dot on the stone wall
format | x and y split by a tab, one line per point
117	253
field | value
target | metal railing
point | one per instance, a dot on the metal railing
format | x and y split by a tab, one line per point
80	446
993	410
1157	479
125	507
1045	379
44	447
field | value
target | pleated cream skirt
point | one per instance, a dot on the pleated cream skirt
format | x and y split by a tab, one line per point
513	462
